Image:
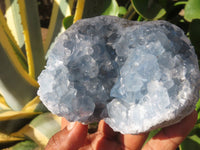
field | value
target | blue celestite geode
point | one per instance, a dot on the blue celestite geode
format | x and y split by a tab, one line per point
138	76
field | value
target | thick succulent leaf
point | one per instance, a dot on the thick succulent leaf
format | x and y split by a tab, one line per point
4	107
14	21
6	139
25	145
16	85
10	126
149	9
192	10
3	104
13	115
32	35
41	129
190	143
194	31
12	121
35	105
21	57
61	9
99	7
79	10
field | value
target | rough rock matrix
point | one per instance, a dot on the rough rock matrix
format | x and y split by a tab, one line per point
138	76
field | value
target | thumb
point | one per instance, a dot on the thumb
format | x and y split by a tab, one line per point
72	137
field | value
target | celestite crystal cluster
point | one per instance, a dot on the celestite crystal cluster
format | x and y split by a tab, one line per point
138	76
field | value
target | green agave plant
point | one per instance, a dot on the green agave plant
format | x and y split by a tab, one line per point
25	123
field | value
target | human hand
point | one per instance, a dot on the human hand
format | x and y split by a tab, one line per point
74	136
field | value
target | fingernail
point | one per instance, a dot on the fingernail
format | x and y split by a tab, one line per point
71	126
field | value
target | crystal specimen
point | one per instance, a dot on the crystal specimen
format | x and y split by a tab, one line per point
138	76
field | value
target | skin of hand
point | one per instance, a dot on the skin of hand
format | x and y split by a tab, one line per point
74	136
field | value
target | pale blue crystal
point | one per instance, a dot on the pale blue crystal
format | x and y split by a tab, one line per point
138	76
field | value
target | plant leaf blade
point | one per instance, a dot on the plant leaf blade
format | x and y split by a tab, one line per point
148	9
35	105
21	57
13	78
191	142
61	9
4	138
25	145
14	21
68	21
93	8
41	129
32	35
112	10
192	10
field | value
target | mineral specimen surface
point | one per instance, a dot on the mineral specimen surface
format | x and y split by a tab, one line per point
138	76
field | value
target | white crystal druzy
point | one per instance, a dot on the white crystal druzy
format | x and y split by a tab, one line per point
138	76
